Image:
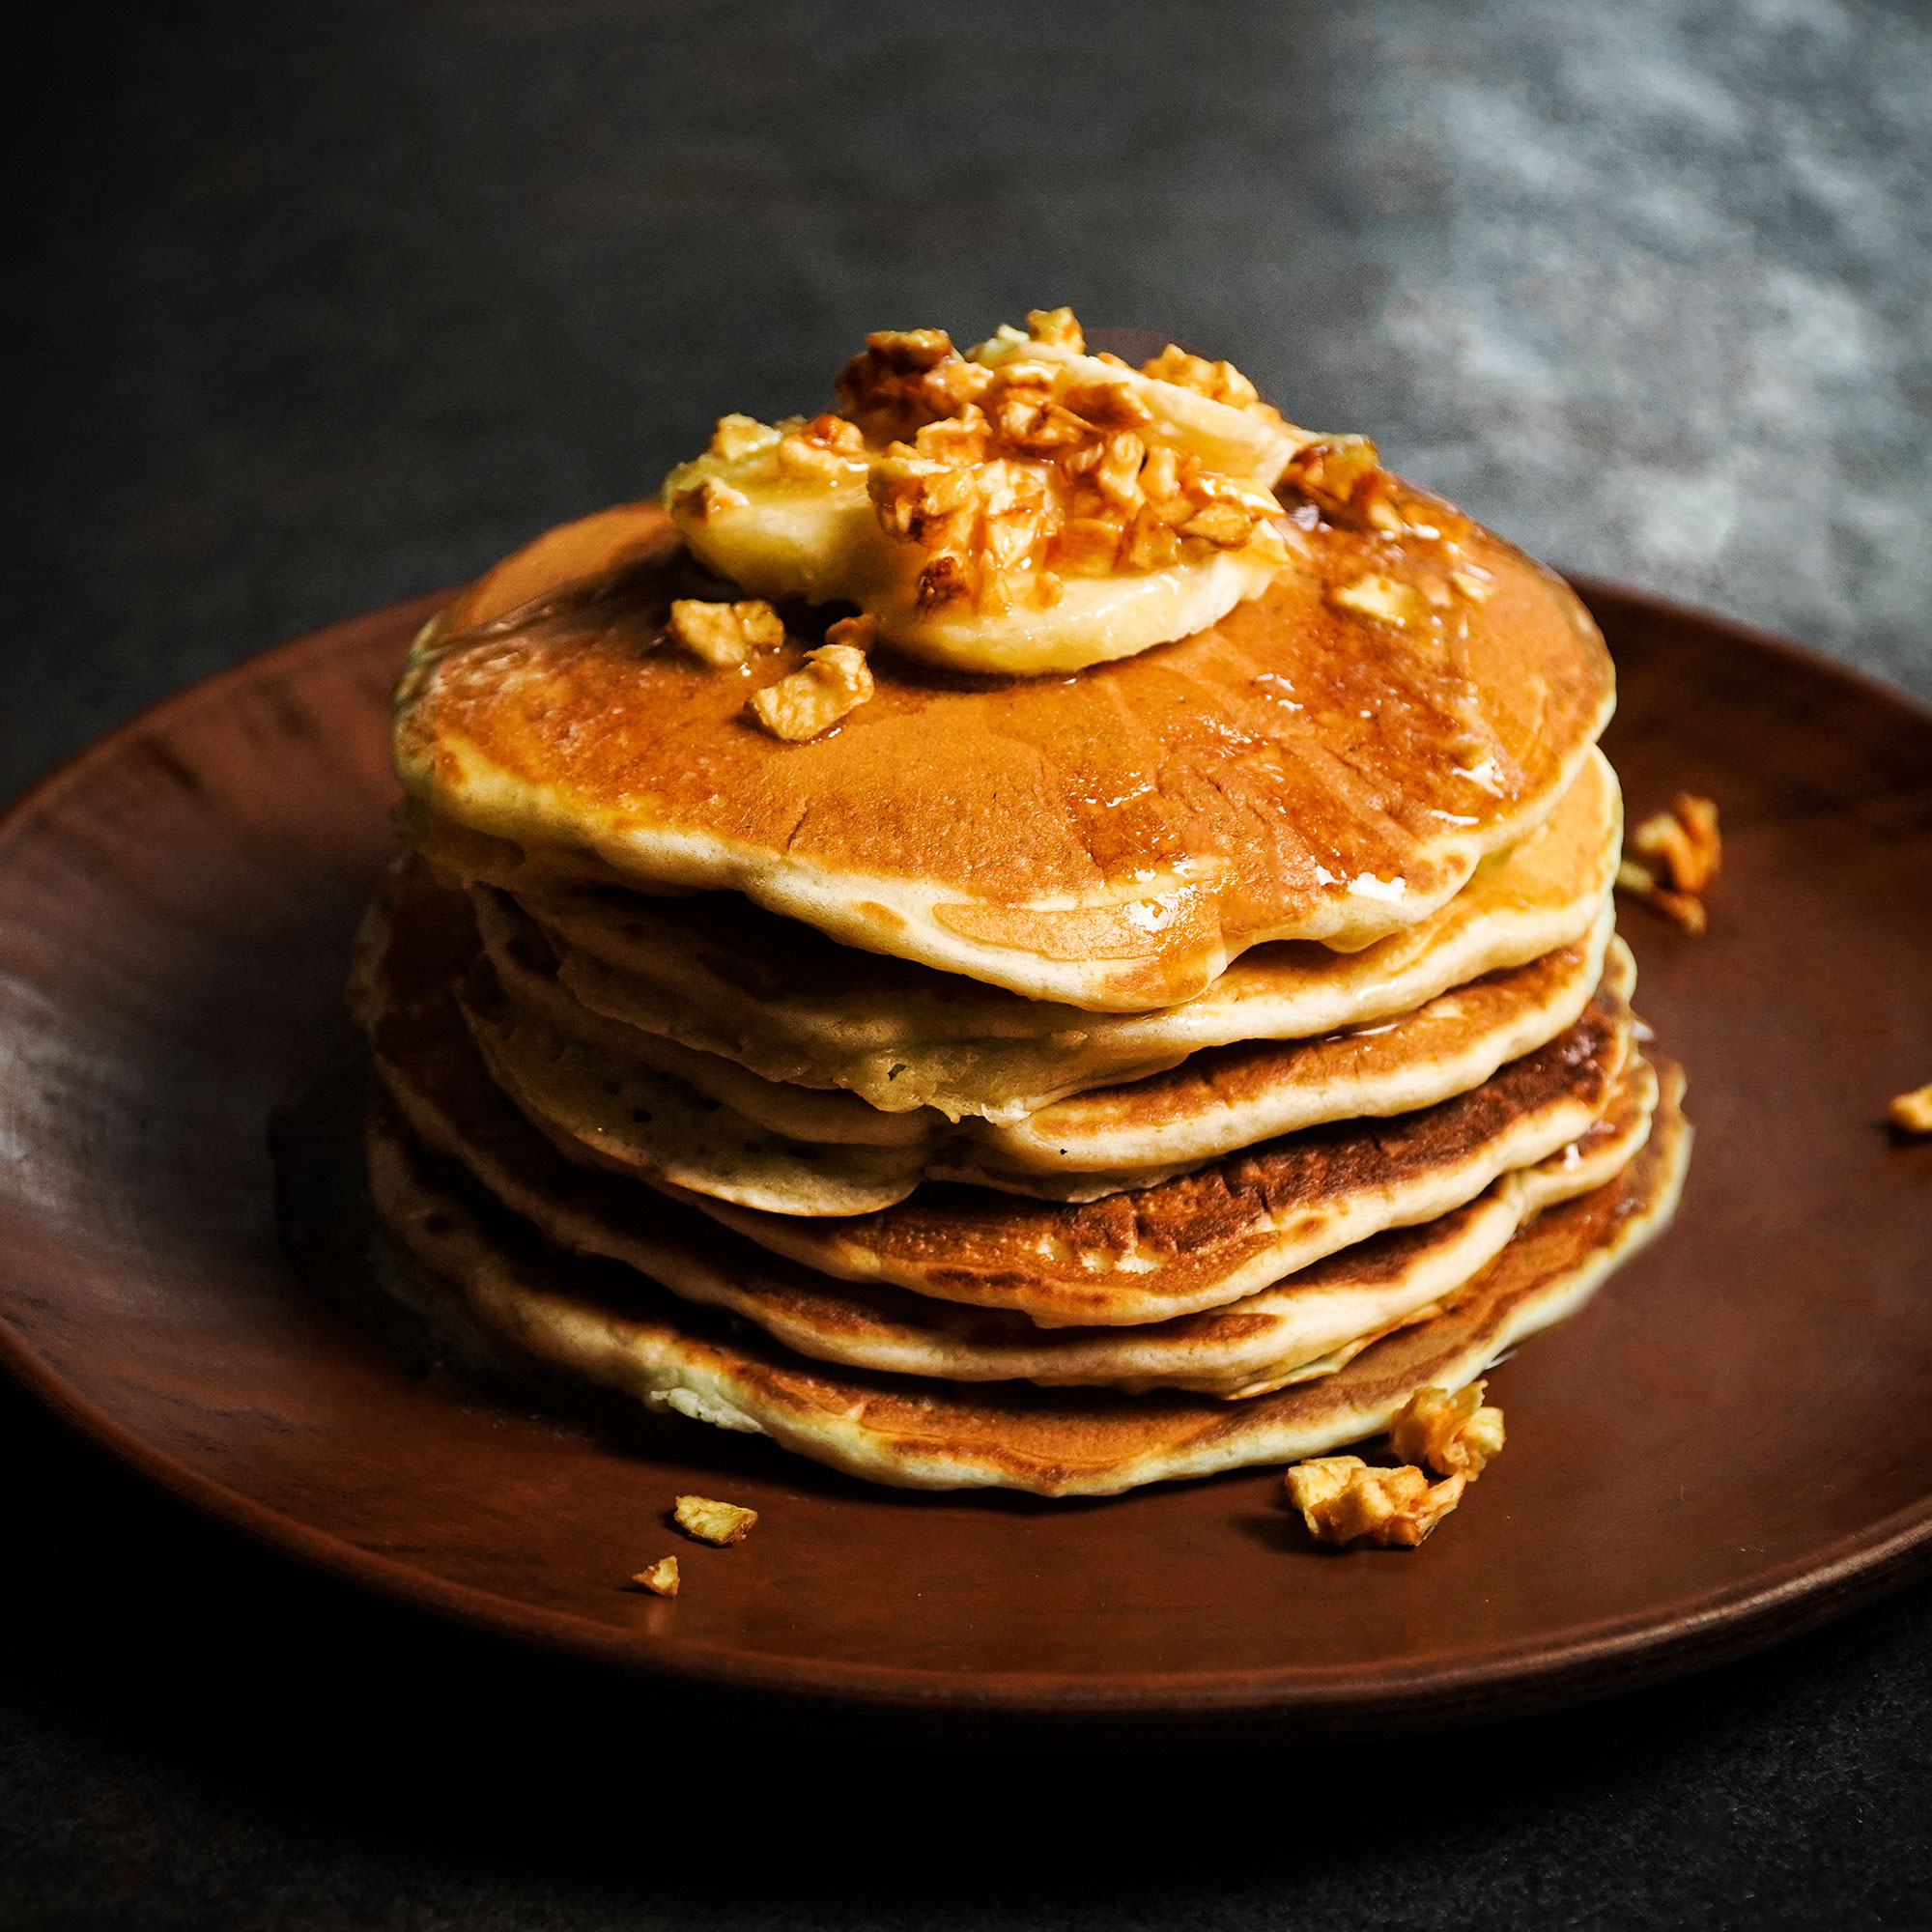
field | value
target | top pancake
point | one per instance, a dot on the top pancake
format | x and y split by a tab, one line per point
1109	839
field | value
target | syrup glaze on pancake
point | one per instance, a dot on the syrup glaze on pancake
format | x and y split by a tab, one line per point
1309	1323
601	1322
1109	839
1211	1236
718	974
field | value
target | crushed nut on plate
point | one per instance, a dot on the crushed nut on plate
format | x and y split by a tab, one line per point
661	1578
834	681
1912	1112
1684	842
1342	1500
712	1521
1454	1434
1685	851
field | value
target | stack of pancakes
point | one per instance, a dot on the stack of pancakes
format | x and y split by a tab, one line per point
1063	1082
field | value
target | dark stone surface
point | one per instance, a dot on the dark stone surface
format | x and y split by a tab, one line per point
316	306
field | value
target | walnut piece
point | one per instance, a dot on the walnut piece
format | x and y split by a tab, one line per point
1685	846
1913	1112
712	1521
661	1578
835	679
737	437
1453	1435
725	634
1017	476
1218	381
1387	599
1056	325
1342	1500
1684	840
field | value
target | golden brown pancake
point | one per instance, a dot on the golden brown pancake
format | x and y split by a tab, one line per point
608	1084
1145	1253
605	1323
1306	1324
716	974
1213	1235
1108	839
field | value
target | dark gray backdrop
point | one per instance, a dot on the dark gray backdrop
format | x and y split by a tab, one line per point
319	305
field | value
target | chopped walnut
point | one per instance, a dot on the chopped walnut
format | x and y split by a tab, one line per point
661	1578
906	378
1342	1500
1454	1434
1056	325
738	437
1219	382
827	449
1685	841
1685	908
725	634
712	1521
835	680
1013	476
859	633
1344	478
1688	850
1911	1112
1387	599
711	497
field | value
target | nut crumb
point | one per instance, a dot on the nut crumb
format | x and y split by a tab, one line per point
859	633
1911	1112
725	634
1454	1434
661	1578
1387	599
1685	842
1686	849
1342	1500
712	1521
736	437
1056	325
834	681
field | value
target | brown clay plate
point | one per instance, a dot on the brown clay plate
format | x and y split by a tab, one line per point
1733	1443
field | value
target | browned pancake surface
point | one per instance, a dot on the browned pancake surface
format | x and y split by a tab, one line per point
1111	837
601	1322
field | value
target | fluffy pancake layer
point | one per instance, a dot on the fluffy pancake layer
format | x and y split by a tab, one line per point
649	1105
603	1321
718	976
1110	839
1306	1324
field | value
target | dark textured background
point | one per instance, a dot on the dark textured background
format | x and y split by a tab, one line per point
318	305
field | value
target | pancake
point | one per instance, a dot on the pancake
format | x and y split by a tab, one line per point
1078	1148
716	974
603	1322
1308	1324
1220	1232
1229	1097
1109	839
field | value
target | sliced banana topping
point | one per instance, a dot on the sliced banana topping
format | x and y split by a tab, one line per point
1026	507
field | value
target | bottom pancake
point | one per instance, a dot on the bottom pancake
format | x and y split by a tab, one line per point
604	1323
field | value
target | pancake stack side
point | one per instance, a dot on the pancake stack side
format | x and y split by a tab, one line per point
1054	1084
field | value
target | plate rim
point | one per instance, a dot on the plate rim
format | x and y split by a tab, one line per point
1173	1706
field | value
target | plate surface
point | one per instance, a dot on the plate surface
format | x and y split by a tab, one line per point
1732	1442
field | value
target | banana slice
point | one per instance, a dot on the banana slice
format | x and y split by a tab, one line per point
1027	508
